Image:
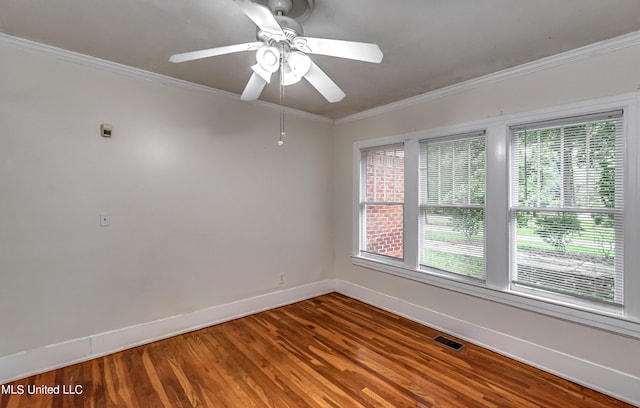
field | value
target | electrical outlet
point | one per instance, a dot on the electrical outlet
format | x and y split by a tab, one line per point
281	278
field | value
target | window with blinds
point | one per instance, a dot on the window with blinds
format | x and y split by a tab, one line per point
452	196
382	201
567	207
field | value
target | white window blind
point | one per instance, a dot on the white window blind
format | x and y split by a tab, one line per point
382	201
567	207
452	196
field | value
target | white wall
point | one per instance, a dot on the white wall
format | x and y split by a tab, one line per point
205	208
579	79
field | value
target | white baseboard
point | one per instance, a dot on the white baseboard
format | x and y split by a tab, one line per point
606	380
30	362
619	385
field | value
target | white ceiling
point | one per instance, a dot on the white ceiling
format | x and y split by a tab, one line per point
427	44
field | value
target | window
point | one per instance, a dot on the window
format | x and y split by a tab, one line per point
452	190
382	201
567	206
536	211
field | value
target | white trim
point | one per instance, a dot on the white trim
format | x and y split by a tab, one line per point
617	384
356	169
632	218
613	44
30	362
10	41
411	203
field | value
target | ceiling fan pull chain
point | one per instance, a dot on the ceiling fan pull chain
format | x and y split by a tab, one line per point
283	133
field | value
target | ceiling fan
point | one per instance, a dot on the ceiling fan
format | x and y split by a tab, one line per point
281	45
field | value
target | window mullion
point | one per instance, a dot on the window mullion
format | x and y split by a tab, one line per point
632	218
411	200
497	209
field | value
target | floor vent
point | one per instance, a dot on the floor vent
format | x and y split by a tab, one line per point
448	342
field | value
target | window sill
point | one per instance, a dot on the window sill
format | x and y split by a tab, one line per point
610	320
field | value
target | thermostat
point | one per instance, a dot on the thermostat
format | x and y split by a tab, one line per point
105	130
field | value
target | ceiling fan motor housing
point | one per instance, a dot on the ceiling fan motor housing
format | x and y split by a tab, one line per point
290	27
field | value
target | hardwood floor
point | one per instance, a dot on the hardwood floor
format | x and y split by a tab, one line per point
330	351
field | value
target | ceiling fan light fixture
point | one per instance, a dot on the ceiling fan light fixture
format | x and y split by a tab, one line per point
297	66
268	58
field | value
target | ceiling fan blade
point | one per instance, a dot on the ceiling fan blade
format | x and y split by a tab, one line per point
254	88
263	18
338	48
212	52
324	84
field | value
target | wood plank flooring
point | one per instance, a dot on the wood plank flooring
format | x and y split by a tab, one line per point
330	351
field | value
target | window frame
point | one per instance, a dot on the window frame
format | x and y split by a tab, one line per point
497	286
362	198
423	206
514	208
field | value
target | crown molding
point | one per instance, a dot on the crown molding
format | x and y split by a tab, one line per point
10	41
613	44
